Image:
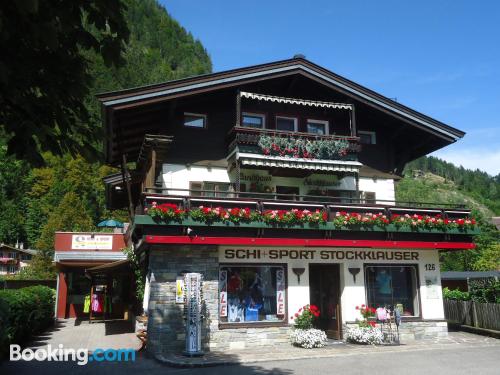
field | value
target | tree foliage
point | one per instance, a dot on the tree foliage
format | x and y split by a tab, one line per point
44	74
36	201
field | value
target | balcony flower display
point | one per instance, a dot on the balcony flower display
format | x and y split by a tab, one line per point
304	335
294	216
166	212
219	214
343	218
430	222
297	147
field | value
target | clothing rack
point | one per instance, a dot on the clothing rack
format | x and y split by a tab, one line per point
103	315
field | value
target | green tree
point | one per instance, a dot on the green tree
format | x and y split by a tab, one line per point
71	216
44	74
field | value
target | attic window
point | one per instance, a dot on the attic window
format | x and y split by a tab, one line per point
253	120
367	137
286	123
194	120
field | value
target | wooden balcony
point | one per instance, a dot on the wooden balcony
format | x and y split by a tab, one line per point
246	140
328	228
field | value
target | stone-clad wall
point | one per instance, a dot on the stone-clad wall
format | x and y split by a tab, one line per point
418	330
166	327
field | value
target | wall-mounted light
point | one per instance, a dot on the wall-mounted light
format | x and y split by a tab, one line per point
298	272
354	271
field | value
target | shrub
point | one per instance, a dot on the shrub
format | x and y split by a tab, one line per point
456	295
23	312
485	290
308	338
364	335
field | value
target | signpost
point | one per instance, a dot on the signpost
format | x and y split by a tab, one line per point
193	304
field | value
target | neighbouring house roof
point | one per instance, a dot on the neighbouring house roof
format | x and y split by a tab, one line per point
116	101
457	275
13	248
496	221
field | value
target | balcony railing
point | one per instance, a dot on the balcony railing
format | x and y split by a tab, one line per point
188	199
282	215
247	140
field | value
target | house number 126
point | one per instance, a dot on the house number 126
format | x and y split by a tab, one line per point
430	267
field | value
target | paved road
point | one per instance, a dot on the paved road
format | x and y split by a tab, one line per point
455	360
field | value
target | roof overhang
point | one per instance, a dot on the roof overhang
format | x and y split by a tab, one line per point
60	256
155	93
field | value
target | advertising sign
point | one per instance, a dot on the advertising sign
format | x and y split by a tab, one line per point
91	242
280	292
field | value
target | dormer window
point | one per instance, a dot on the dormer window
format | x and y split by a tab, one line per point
367	137
318	127
288	124
195	120
253	120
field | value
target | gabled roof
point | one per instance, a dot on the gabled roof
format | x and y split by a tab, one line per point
123	99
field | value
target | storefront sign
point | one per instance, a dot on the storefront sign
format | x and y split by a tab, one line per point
91	242
280	292
223	293
306	254
255	178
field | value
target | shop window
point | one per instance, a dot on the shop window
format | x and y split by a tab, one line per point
253	120
317	127
392	286
210	189
194	120
286	124
367	137
252	294
288	190
368	197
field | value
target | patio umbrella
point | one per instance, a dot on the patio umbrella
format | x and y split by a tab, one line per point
110	223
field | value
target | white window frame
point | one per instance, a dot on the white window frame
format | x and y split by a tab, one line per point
205	125
295	123
11	268
372	134
261	115
324	122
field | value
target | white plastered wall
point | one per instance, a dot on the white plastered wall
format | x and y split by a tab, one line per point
383	188
178	176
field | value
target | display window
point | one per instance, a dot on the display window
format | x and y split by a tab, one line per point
252	294
393	286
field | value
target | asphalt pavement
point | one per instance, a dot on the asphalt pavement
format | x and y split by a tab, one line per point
453	359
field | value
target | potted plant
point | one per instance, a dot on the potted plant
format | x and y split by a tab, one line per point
303	334
365	332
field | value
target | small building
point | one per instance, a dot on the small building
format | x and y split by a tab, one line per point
460	279
14	258
86	262
276	183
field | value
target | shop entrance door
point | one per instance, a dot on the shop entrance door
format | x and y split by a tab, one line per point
324	289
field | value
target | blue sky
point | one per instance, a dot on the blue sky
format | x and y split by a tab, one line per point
439	57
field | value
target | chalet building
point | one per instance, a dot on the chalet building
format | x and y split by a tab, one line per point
14	258
276	182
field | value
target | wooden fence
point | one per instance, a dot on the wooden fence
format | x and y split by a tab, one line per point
481	315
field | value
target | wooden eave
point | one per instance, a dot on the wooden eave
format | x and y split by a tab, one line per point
148	95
